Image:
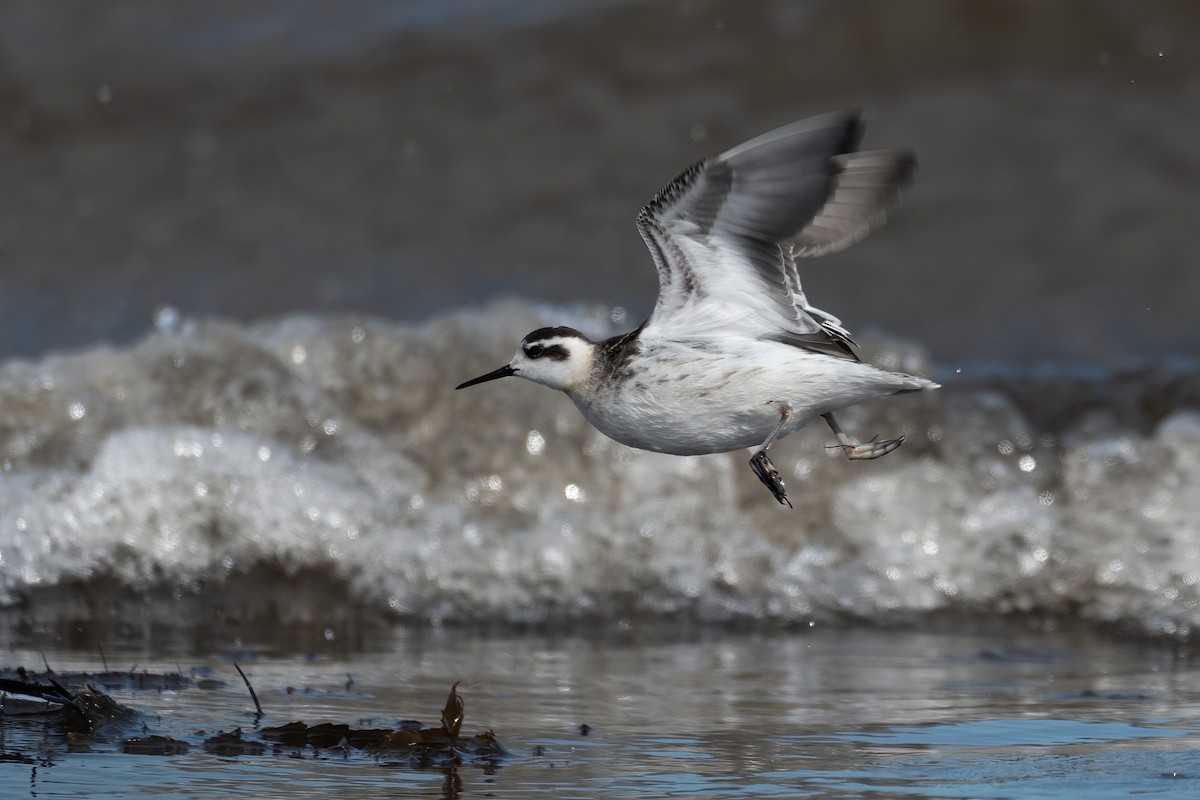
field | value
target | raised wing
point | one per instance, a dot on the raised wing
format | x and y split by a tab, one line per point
725	234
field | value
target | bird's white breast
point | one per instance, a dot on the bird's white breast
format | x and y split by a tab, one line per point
683	401
720	396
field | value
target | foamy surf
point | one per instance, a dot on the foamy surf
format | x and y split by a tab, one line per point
320	460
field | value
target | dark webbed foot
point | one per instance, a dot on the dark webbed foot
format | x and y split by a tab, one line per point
871	449
767	473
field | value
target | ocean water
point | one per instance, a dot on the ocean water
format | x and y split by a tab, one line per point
401	159
970	711
331	457
245	255
1003	607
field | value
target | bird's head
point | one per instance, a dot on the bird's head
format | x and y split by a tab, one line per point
560	358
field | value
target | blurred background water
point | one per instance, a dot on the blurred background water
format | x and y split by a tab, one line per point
401	158
247	250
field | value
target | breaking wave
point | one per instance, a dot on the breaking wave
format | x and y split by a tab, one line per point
327	461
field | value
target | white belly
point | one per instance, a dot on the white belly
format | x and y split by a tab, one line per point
686	428
714	404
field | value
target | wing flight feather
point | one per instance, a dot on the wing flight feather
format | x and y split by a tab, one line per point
726	233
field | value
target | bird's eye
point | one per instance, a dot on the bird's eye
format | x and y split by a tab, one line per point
534	350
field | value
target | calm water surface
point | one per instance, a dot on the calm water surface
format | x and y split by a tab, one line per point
964	712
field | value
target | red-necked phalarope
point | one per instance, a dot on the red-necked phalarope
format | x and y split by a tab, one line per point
733	355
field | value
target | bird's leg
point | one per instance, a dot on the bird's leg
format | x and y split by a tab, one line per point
762	465
861	452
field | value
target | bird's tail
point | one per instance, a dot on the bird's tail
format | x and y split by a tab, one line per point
912	383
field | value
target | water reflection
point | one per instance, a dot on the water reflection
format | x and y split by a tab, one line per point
661	711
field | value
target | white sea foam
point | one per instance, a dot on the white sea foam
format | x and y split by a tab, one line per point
333	455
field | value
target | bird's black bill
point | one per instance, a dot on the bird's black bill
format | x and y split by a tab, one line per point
503	372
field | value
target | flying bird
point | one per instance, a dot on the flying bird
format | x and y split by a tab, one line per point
733	355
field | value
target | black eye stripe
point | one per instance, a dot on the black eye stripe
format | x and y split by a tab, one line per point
555	352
